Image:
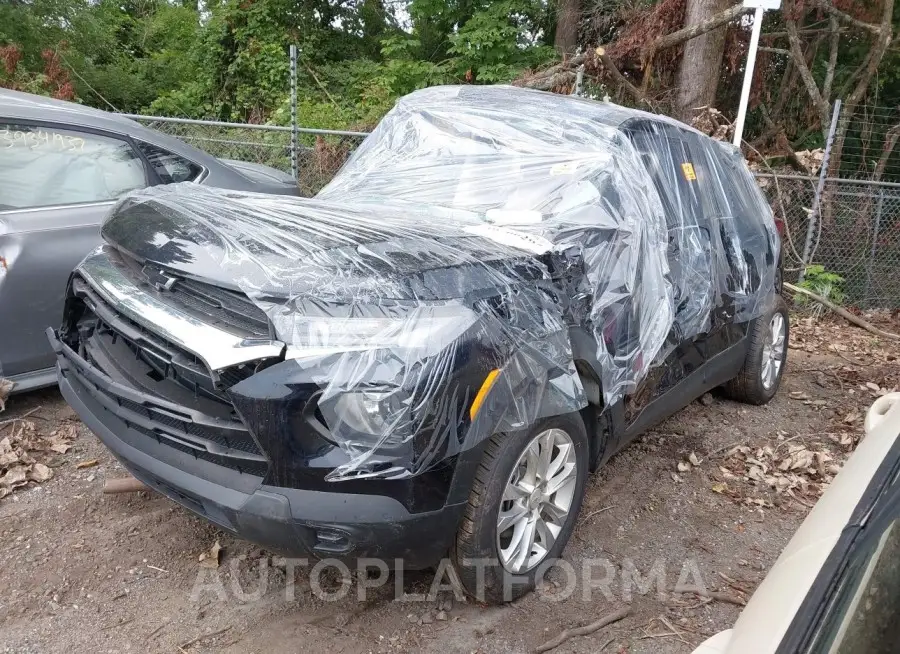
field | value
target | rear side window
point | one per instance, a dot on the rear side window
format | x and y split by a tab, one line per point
43	166
744	195
170	167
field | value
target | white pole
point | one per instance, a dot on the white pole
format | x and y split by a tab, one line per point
748	76
294	171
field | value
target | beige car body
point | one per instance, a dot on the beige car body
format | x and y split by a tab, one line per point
772	608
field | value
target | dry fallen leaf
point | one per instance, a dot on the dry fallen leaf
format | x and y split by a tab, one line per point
756	473
797	457
15	476
851	417
719	487
90	463
18	466
60	439
6	387
211	558
39	472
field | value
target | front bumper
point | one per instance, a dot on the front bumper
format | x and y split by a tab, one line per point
297	522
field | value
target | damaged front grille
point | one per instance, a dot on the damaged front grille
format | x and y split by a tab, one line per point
158	388
219	307
167	360
214	305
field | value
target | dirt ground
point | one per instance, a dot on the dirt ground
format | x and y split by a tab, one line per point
711	496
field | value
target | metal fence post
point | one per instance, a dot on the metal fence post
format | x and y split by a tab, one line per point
823	173
294	111
877	228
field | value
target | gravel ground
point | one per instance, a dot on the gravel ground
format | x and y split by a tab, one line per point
86	572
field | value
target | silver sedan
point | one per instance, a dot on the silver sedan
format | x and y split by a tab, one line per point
62	166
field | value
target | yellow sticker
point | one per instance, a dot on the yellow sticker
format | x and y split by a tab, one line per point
565	168
688	170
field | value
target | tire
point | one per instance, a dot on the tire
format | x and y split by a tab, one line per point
487	565
757	383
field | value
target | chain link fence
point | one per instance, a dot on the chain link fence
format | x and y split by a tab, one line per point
319	152
865	146
856	236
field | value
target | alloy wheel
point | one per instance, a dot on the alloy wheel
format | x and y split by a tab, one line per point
773	351
536	500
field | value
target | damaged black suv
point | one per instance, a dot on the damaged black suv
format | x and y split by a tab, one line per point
498	291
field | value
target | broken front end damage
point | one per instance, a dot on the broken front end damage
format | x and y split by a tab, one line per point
377	392
218	349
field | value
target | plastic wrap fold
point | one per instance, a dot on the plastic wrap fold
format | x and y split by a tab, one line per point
431	288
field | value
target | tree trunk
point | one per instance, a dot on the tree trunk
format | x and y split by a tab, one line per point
701	65
569	15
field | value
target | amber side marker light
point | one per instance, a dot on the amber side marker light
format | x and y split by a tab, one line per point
482	393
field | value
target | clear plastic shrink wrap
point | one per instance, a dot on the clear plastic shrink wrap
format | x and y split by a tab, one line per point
469	234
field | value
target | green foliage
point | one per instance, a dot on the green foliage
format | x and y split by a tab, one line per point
119	54
496	44
821	282
231	63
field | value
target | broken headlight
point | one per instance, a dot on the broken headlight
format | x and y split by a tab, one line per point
425	328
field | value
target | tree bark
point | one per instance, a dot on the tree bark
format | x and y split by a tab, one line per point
833	45
822	105
864	75
890	141
837	13
569	15
692	31
701	65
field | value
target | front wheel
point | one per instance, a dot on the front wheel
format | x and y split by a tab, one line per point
522	508
763	369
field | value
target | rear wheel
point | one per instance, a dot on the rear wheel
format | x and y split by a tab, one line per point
522	508
760	377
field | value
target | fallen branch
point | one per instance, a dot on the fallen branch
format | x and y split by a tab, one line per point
117	624
680	36
593	513
9	421
710	594
566	634
157	630
203	637
617	75
123	485
842	312
559	75
847	18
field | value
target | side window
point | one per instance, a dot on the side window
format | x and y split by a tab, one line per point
682	181
863	619
709	179
748	242
744	199
170	167
663	156
43	166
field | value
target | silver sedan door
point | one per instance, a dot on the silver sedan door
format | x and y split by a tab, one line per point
56	186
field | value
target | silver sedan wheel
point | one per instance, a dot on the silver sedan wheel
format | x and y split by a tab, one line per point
536	501
773	351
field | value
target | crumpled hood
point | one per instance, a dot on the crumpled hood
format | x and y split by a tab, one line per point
301	248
